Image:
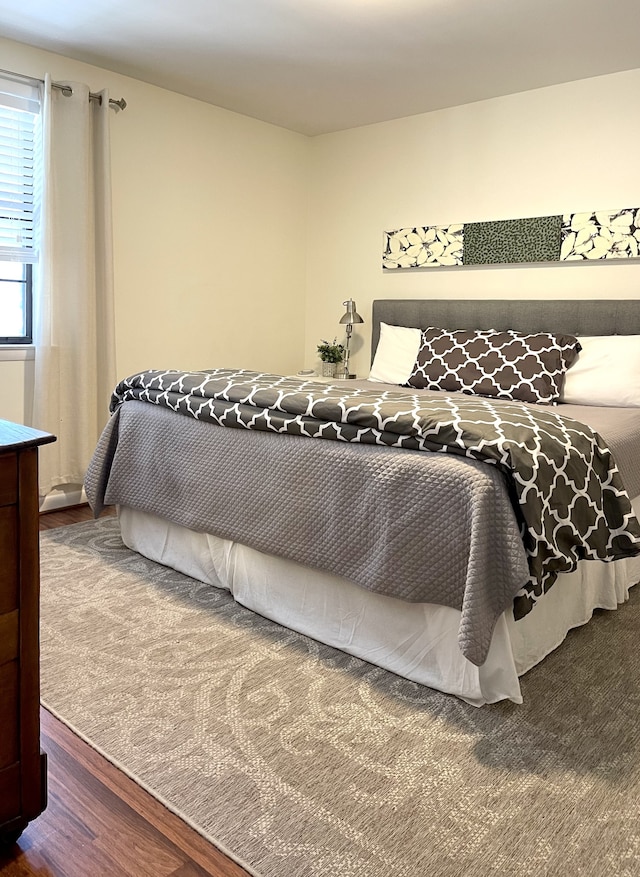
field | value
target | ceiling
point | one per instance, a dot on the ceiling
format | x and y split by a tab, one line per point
316	66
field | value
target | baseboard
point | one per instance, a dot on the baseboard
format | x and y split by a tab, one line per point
62	499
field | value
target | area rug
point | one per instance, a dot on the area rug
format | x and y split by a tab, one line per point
303	762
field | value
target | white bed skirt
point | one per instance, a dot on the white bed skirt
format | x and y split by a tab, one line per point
415	640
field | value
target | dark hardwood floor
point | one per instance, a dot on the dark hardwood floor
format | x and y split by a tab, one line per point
98	822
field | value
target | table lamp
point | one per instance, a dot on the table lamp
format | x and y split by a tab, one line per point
350	317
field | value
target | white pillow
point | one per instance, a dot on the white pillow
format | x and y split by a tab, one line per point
395	355
606	372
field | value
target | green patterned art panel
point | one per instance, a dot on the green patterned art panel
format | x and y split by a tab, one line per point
512	240
587	236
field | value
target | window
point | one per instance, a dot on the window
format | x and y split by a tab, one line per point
15	303
19	125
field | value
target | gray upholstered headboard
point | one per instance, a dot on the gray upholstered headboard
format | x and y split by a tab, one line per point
574	317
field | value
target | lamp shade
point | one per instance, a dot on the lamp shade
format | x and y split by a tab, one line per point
351	315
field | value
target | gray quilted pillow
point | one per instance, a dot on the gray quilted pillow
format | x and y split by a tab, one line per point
507	365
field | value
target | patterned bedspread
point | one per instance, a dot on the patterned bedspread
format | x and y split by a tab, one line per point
563	484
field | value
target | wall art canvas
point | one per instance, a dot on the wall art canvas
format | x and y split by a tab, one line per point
512	240
431	246
605	234
590	236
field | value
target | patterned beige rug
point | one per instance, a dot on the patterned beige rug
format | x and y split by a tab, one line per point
303	762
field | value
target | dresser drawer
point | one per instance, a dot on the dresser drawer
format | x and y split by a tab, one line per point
9	750
8	479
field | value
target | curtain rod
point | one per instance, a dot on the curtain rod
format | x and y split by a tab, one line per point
121	104
67	90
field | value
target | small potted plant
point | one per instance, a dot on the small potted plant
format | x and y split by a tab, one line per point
331	354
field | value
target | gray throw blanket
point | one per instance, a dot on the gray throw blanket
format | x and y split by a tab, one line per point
565	489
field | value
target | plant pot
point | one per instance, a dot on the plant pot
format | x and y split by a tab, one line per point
329	369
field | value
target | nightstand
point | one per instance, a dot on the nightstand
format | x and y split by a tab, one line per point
317	379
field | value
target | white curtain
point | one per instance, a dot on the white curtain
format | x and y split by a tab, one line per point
73	310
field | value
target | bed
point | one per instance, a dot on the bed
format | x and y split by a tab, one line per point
412	561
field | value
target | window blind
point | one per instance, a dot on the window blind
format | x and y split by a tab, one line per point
19	114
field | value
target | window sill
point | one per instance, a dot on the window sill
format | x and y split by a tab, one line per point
17	352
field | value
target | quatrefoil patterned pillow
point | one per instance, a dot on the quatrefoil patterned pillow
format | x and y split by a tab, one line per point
505	365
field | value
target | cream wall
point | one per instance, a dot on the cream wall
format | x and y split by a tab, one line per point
553	150
209	215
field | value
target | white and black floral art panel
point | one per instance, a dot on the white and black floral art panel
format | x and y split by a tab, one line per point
431	246
603	234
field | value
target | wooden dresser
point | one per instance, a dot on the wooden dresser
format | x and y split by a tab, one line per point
23	782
